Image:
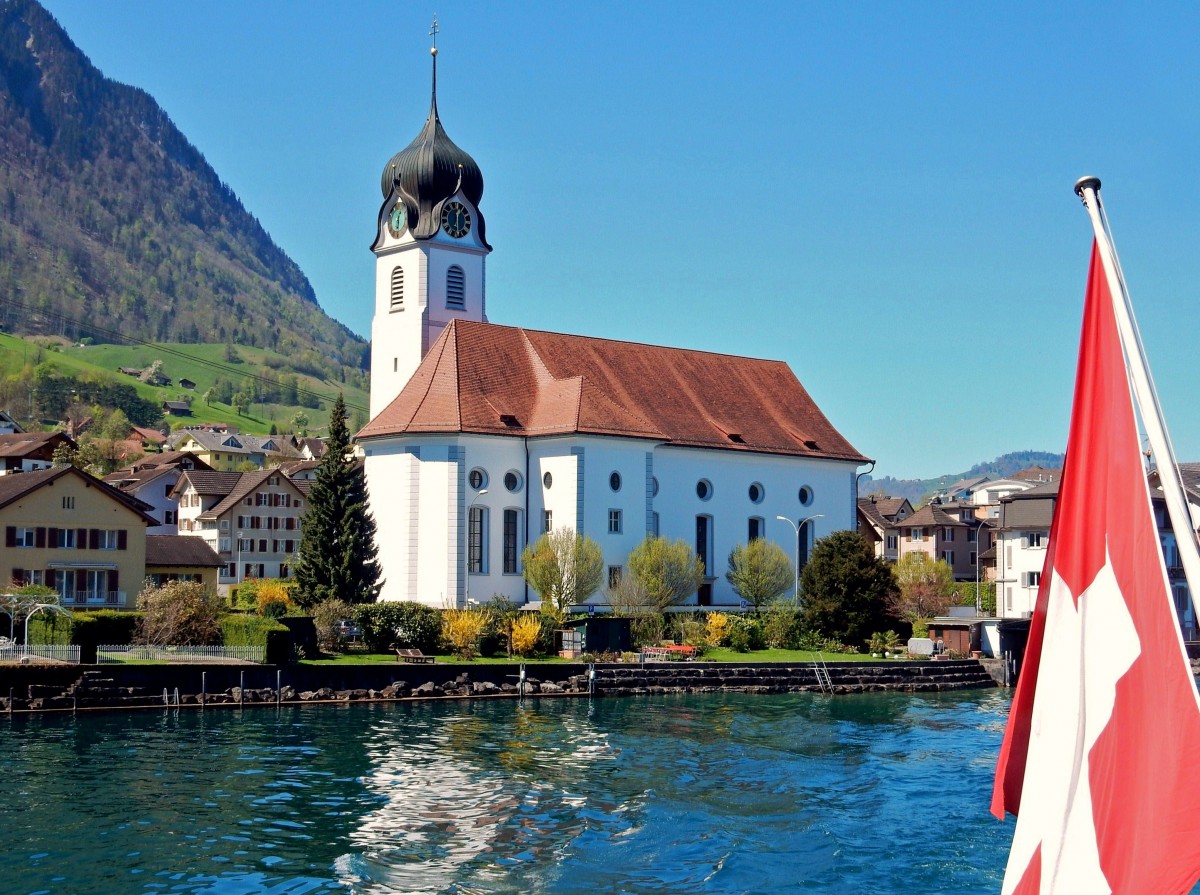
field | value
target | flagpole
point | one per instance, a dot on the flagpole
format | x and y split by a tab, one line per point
1088	189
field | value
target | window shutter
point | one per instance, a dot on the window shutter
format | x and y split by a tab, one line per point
81	538
122	539
10	536
114	580
93	539
41	537
53	538
51	578
18	577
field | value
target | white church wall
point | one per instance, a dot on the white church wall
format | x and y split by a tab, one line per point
730	474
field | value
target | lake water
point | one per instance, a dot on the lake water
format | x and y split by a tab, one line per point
876	793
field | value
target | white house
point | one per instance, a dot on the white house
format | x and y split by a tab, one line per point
484	436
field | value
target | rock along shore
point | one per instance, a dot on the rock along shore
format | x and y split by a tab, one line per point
70	688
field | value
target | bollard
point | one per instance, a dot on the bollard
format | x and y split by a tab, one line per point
203	687
278	686
591	679
241	688
521	682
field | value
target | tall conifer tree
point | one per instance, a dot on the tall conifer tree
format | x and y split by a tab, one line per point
338	558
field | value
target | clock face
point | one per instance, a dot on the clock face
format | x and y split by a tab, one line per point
456	220
397	219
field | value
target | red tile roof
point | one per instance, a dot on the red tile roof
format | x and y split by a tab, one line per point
484	378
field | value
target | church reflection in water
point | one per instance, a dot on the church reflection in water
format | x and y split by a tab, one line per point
473	797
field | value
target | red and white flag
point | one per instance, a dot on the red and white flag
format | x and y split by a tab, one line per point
1101	755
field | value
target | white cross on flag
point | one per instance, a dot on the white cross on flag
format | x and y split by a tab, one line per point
1101	755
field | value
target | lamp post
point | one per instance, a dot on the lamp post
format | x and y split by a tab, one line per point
237	573
467	551
979	533
799	527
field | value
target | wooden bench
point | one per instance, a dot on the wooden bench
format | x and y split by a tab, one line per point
413	656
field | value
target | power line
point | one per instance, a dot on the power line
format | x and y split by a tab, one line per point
214	365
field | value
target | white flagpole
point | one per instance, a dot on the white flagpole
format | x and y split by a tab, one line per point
1088	189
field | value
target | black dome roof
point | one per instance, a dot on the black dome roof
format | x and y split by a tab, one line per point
430	170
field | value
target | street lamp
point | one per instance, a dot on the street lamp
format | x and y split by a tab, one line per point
467	551
799	527
979	535
237	572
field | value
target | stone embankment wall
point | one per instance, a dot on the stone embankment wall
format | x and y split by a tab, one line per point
42	688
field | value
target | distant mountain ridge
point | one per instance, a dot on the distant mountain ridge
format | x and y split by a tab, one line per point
111	220
1002	467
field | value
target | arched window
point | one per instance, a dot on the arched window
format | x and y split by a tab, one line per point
398	289
456	287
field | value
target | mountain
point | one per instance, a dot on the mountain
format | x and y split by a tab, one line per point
1002	467
111	221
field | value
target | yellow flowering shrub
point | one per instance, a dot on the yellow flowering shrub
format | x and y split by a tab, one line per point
716	628
525	632
462	628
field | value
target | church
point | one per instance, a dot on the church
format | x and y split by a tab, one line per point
483	436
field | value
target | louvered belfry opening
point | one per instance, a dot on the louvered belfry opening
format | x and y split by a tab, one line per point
456	287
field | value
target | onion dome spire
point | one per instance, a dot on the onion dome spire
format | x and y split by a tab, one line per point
431	170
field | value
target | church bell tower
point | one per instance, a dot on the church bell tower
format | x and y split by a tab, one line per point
430	252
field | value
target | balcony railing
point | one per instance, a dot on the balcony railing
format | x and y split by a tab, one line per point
93	598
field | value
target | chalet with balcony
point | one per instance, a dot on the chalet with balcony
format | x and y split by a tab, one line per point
27	451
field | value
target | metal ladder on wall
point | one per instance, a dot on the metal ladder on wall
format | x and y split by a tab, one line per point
824	681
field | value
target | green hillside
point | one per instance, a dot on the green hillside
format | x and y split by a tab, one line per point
278	393
112	224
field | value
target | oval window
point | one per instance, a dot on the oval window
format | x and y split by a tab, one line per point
512	480
477	478
756	492
806	495
547	480
704	489
653	486
614	481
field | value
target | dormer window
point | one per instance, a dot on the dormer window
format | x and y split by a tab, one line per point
456	288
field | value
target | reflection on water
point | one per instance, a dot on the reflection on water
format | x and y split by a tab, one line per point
710	794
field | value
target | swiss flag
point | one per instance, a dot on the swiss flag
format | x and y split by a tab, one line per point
1102	750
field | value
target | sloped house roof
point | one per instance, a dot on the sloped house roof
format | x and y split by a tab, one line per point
500	380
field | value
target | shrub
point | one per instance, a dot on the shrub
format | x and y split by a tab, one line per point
405	624
525	634
84	629
273	598
244	595
327	617
249	630
647	628
462	629
921	628
692	631
781	625
745	635
716	628
179	613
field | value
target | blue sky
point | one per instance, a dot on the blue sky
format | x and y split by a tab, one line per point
878	194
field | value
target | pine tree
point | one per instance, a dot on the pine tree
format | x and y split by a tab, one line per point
338	558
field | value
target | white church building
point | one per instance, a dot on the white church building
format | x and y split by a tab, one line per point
482	436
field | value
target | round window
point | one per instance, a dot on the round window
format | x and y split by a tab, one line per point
547	480
756	493
614	481
477	478
653	486
806	495
512	480
704	489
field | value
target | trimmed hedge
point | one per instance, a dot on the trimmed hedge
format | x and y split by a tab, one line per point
84	629
254	630
404	623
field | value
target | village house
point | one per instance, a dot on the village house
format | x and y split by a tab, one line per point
27	451
949	532
67	530
180	558
152	481
229	450
251	519
878	522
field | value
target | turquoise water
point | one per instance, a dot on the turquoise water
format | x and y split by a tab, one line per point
701	794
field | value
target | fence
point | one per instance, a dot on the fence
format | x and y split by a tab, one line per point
11	651
112	654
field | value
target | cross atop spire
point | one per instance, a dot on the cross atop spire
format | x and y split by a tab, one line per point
433	32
